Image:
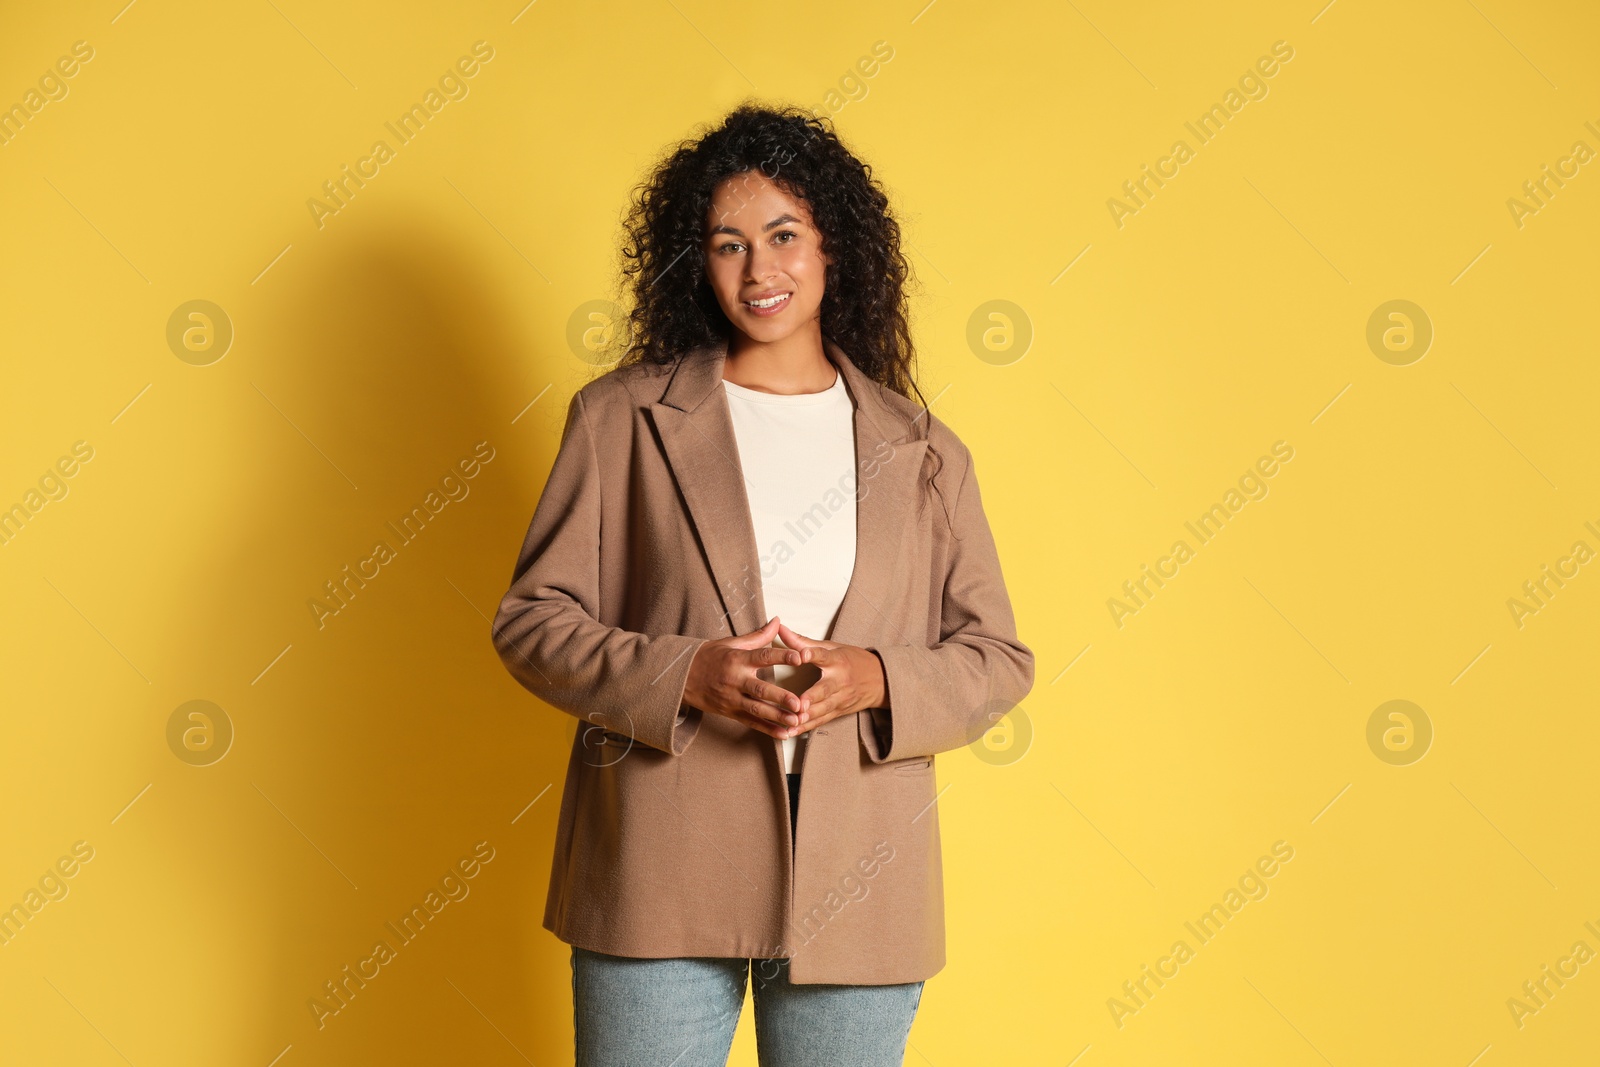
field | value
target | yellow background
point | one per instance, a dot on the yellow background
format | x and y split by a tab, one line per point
1167	754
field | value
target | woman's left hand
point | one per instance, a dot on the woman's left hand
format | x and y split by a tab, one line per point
852	680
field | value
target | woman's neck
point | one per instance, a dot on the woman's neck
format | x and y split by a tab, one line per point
796	364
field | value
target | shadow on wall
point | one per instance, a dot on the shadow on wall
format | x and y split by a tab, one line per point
384	755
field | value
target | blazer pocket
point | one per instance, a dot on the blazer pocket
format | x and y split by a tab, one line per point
914	766
622	746
602	749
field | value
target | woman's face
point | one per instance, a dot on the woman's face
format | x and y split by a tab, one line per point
760	245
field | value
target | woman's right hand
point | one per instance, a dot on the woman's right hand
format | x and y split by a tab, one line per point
723	681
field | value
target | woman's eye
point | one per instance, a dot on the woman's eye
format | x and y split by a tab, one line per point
785	233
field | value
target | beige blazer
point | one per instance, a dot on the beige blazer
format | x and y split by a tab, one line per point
674	837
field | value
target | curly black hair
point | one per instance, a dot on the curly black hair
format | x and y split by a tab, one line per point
864	290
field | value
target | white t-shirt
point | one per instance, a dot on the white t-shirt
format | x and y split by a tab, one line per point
798	452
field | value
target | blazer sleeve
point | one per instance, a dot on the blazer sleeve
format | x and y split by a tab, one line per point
946	696
547	630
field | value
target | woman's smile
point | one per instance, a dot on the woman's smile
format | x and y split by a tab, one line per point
767	306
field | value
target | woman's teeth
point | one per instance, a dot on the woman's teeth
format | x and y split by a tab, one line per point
770	302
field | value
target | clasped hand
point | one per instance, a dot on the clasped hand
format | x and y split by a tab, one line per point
724	679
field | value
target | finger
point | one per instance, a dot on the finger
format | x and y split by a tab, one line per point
772	654
756	722
784	704
757	638
823	655
760	707
792	639
813	722
819	696
816	720
787	702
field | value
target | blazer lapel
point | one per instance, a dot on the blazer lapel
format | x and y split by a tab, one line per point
697	434
889	451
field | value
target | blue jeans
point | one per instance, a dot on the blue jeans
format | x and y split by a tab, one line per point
682	1012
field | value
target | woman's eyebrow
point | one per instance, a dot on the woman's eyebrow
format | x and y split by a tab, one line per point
779	221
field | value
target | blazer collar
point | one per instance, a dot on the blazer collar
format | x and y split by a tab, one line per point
697	434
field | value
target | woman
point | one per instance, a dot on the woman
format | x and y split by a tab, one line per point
763	577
